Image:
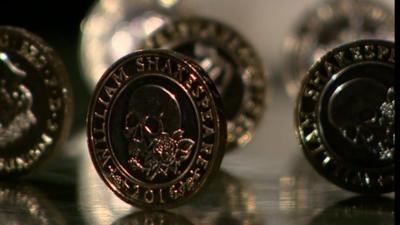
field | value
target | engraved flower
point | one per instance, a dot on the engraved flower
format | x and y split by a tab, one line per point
154	151
169	151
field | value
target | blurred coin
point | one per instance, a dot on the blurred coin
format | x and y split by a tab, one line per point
153	217
229	60
345	116
328	24
115	28
35	100
156	130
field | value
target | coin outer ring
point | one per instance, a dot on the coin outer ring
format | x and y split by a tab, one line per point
242	127
337	175
56	66
219	143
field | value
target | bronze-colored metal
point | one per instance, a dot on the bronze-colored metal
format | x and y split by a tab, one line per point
156	129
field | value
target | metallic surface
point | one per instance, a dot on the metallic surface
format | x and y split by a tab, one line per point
273	182
345	116
156	131
35	99
328	24
229	60
255	187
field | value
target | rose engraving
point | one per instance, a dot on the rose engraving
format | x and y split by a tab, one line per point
152	150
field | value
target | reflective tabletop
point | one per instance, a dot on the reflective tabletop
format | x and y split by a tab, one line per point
266	183
269	182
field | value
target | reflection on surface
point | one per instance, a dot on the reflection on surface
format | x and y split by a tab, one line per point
153	218
100	205
303	188
227	200
21	204
358	210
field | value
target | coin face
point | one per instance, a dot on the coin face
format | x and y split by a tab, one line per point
328	24
35	100
156	130
345	116
229	60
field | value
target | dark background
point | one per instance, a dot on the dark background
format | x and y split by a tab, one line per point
58	23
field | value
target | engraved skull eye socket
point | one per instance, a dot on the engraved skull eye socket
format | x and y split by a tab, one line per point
152	126
367	114
131	120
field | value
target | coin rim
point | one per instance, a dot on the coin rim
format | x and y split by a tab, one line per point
220	132
254	91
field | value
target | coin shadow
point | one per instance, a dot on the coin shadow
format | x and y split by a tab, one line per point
227	200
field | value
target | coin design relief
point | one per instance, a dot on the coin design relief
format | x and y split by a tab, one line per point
328	24
35	100
156	130
229	60
345	116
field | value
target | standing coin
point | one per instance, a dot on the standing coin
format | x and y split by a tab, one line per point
156	130
345	116
230	61
35	101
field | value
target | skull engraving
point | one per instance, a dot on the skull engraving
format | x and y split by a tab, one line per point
363	111
15	102
152	126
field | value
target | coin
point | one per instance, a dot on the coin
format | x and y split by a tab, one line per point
229	60
328	24
35	99
345	116
113	29
156	129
